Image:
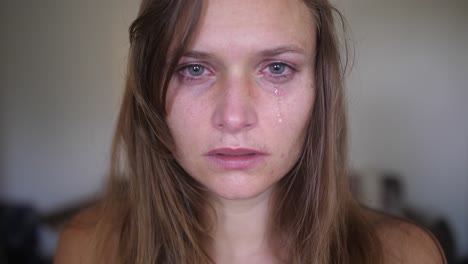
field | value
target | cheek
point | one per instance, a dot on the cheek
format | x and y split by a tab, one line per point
188	125
179	121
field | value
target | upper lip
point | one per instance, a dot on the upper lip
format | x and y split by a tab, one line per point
234	151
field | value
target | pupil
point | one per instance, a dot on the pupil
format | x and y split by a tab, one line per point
277	68
196	70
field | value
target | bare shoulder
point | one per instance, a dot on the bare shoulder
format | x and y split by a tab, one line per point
77	242
405	242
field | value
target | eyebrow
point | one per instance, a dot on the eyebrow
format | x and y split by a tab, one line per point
197	55
281	50
264	53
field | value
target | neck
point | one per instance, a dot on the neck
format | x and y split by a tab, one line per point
242	230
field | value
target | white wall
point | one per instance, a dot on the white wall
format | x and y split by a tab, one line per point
61	73
408	99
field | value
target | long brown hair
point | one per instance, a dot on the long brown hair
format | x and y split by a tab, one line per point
155	209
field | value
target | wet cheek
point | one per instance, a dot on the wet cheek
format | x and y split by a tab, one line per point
278	114
295	119
291	110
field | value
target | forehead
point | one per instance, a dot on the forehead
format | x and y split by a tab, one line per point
254	23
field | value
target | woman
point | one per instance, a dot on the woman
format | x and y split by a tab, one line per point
231	146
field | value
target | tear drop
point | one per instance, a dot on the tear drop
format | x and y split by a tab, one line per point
278	112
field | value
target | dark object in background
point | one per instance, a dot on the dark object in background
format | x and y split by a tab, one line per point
464	261
441	230
19	235
393	194
385	191
393	200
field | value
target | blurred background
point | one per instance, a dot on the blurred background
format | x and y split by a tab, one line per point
62	68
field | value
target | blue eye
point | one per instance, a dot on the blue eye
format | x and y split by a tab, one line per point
277	68
195	69
194	73
278	72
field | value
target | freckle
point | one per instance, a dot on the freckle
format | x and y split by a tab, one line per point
278	112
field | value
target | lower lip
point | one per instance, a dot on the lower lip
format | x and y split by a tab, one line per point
236	162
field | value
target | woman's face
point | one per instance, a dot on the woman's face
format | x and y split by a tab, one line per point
241	97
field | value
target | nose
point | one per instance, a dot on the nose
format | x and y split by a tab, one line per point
235	109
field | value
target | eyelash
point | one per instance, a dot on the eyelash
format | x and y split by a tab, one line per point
276	78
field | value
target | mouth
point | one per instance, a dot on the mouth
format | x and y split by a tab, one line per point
235	155
235	159
231	152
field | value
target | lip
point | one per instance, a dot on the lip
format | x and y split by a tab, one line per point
235	158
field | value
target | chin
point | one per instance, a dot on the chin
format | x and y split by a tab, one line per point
239	192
